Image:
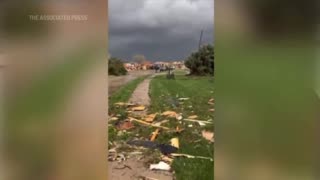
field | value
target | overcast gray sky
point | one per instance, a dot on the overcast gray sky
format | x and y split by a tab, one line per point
158	29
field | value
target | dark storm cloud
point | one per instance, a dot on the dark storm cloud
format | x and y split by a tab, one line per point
159	29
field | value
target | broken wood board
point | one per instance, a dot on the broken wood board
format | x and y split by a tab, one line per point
154	134
195	120
190	156
149	124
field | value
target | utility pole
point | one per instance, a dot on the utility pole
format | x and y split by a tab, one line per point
200	40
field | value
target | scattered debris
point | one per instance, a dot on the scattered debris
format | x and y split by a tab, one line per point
113	118
120	133
169	114
134	153
183	99
195	120
113	150
150	117
167	149
175	142
116	157
179	130
124	125
149	144
130	104
154	134
201	123
193	117
141	146
138	108
160	166
211	101
161	122
166	159
123	104
208	135
149	124
190	156
120	104
179	117
164	148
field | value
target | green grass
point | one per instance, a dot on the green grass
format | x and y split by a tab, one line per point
164	96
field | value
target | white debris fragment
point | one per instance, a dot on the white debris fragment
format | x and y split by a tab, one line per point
183	99
160	166
179	117
202	124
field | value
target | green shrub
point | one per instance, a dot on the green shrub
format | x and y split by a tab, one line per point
201	62
116	67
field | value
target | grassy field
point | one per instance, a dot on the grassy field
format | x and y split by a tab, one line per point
164	96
